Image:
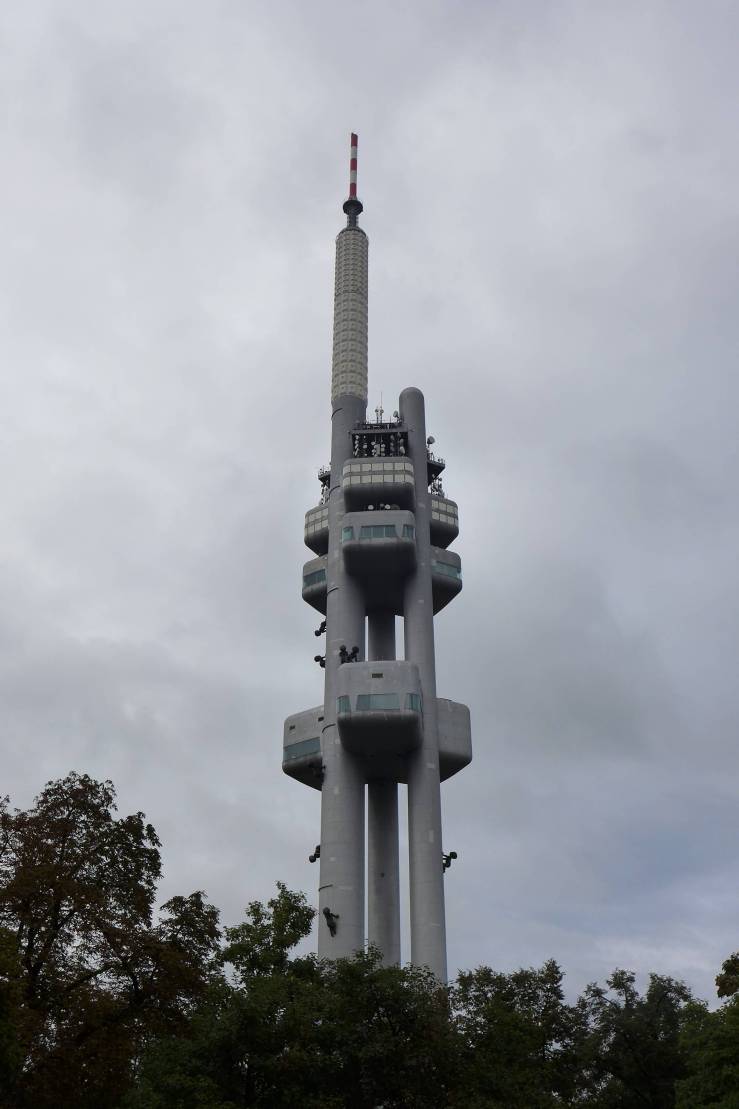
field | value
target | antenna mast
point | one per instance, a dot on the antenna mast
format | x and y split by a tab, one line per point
353	206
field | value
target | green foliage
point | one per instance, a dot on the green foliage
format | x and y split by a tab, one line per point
242	1026
519	1039
382	1036
201	1067
11	1057
298	1032
87	975
104	1006
727	982
350	1033
633	1052
711	1044
262	943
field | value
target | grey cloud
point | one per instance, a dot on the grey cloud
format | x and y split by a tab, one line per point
551	215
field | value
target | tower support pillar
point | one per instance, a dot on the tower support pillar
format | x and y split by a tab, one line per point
383	856
383	923
341	889
381	635
428	926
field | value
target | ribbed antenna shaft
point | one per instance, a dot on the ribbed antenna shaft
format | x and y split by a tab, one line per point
349	363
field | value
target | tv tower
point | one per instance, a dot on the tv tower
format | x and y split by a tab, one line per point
380	534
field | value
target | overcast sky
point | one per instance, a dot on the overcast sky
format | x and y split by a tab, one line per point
551	199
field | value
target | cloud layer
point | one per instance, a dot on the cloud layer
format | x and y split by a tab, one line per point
551	204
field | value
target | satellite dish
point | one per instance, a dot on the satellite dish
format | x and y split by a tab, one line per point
430	441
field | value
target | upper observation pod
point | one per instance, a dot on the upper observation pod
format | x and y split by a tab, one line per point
349	362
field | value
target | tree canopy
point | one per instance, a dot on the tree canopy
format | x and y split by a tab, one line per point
106	1003
88	973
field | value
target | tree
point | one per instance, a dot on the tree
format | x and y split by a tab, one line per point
10	1052
383	1036
105	1006
519	1038
87	975
262	943
243	1021
285	1031
634	1054
727	981
711	1044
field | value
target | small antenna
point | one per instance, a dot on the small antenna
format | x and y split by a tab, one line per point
352	206
353	166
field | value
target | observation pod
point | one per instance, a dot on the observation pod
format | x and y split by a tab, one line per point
380	536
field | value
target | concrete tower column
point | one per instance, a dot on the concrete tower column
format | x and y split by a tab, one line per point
383	862
341	883
381	635
428	925
341	888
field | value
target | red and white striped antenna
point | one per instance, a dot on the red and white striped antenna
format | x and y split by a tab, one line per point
352	206
353	166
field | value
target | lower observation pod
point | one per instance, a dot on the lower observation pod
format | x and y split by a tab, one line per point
379	714
359	723
381	562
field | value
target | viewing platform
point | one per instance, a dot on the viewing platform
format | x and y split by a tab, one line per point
378	481
379	712
314	583
383	562
315	532
455	737
446	577
380	549
444	521
301	749
301	757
